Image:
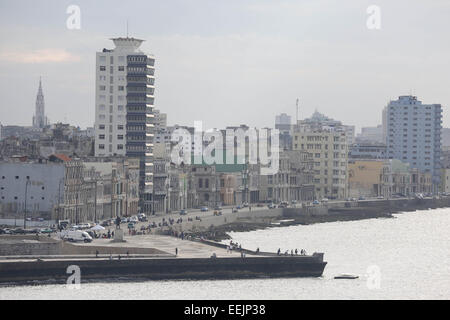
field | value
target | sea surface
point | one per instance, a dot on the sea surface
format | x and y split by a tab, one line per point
406	257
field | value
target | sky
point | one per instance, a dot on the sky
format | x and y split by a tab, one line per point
230	62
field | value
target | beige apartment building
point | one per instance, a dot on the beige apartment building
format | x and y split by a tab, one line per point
329	150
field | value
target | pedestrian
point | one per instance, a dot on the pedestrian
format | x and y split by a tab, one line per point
296	251
278	252
176	251
96	253
128	254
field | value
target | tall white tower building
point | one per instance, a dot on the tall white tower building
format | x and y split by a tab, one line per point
39	118
124	99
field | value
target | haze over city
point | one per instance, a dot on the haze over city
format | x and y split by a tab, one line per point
244	60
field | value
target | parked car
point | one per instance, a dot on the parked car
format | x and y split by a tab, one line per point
283	204
217	208
245	204
271	206
142	217
324	200
106	223
204	209
123	220
316	202
361	198
183	212
260	204
18	231
238	206
46	230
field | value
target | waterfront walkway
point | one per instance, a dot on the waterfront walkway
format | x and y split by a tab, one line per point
186	248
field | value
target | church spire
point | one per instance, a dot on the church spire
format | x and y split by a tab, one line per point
39	119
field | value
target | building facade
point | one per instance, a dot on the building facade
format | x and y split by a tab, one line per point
413	135
329	151
124	119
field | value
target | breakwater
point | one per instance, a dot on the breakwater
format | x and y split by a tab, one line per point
17	272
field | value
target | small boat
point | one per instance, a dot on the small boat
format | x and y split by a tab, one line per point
346	276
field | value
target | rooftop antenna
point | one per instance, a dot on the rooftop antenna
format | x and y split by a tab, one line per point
296	103
127	28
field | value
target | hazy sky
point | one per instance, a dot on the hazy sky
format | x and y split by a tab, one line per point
230	62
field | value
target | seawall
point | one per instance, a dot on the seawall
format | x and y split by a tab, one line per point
163	268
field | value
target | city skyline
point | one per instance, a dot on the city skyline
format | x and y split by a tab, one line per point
239	66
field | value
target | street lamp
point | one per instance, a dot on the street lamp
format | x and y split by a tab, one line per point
25	213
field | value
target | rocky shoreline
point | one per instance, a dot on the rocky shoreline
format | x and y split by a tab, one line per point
221	232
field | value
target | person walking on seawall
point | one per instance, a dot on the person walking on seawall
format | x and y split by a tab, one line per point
176	252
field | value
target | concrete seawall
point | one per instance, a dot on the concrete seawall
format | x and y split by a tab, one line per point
328	212
22	245
164	268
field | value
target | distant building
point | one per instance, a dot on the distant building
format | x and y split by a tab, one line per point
284	126
365	178
319	121
124	112
445	180
413	134
329	150
32	187
39	118
371	134
367	151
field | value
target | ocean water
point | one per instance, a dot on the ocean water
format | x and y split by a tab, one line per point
406	257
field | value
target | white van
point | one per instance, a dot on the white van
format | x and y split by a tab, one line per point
76	235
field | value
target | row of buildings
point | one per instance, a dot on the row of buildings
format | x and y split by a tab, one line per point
124	165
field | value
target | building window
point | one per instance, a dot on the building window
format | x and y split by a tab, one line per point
101	146
121	68
102	68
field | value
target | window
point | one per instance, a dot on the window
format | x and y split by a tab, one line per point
121	88
101	136
102	68
120	147
101	126
101	146
120	136
121	68
120	127
102	88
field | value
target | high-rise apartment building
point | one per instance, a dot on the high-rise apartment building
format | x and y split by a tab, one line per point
124	99
413	134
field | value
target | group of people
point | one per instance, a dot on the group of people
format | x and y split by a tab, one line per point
293	252
233	246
